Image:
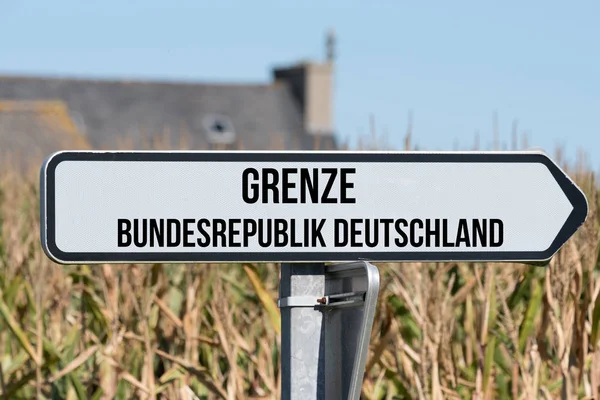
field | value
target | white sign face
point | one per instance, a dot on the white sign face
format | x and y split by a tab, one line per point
305	206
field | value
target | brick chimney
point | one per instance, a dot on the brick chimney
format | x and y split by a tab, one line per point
312	85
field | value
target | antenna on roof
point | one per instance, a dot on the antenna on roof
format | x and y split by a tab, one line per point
330	45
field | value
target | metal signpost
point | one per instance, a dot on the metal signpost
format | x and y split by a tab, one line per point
326	314
305	209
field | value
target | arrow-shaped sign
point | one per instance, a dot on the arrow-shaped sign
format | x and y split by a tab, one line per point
306	206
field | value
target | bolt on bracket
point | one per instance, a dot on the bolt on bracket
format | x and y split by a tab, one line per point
350	299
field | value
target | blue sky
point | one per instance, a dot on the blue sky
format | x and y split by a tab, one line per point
452	63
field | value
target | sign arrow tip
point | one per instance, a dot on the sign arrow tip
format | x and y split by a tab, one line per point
578	215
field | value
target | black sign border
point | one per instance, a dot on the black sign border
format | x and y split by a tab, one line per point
47	223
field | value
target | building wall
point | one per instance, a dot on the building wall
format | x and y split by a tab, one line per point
319	99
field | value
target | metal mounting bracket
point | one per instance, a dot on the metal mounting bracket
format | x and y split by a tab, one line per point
350	299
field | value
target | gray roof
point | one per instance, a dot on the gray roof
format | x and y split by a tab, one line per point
30	131
133	114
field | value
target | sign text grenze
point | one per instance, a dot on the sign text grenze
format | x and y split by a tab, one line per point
306	206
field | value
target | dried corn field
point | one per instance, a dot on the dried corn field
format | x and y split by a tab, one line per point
469	331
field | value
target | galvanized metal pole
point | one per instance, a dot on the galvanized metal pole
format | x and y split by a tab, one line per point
327	314
302	334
